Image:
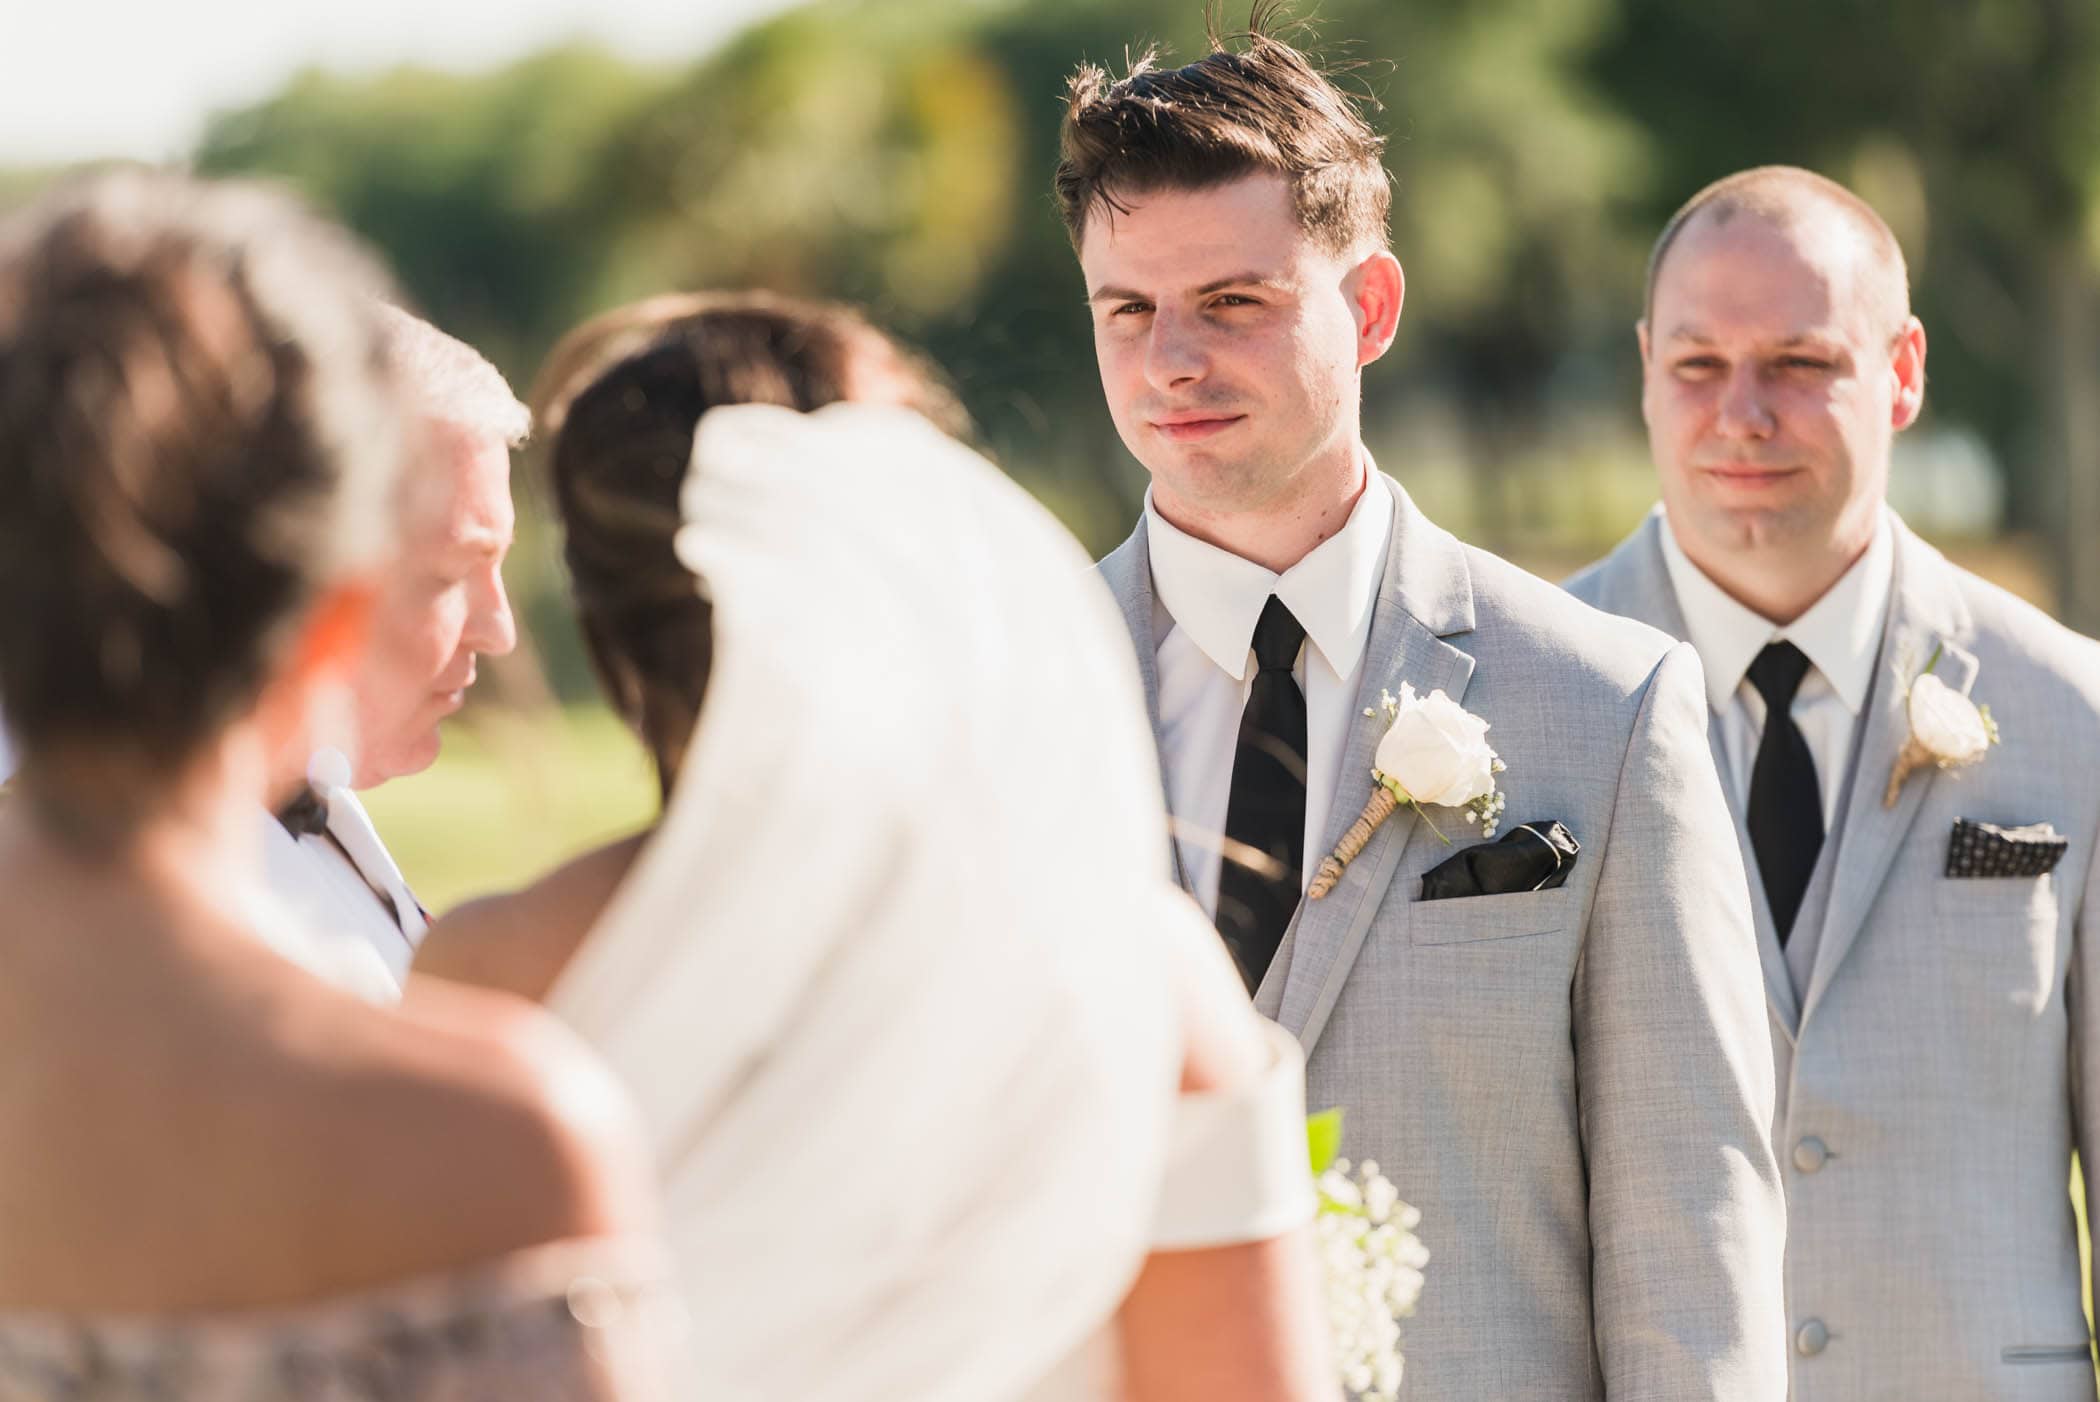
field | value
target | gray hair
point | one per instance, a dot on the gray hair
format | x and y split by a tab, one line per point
450	382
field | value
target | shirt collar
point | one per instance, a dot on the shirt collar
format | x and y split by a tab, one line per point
1840	634
1216	597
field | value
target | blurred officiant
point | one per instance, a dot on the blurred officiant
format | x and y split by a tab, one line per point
442	606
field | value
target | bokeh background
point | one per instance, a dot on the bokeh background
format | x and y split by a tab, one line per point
528	164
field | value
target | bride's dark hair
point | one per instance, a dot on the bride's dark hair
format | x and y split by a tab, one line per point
620	396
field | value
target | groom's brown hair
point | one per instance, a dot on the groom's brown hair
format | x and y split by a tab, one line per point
1253	105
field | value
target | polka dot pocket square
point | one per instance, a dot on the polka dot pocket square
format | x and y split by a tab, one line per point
1985	849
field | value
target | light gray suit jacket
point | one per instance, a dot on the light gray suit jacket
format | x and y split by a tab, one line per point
1943	1058
1572	1085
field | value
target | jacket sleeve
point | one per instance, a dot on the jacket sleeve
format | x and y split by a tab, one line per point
2082	996
1674	1076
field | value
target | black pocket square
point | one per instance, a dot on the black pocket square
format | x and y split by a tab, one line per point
1985	849
1529	857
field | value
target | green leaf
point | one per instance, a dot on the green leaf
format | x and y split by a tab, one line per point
1323	1138
1433	828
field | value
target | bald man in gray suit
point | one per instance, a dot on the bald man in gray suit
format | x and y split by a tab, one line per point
1930	936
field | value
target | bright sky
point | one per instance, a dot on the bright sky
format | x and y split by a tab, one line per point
85	78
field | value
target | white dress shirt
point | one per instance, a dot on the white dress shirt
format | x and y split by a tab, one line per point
331	885
1207	603
1840	635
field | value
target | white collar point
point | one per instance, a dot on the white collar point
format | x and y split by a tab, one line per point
1216	597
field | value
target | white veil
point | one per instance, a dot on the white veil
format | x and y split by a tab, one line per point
889	979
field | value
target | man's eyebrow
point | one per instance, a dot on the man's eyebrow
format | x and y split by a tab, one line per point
1692	336
1236	280
1124	294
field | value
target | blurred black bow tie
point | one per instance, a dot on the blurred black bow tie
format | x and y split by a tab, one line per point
306	815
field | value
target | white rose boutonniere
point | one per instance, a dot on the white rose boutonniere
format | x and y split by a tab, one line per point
1435	753
1947	729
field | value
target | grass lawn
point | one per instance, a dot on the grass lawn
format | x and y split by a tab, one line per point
510	798
2085	1239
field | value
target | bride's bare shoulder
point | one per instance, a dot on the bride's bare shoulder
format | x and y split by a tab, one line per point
425	1138
196	1104
456	1128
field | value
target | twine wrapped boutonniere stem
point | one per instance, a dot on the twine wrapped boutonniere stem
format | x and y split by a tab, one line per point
1434	754
1947	730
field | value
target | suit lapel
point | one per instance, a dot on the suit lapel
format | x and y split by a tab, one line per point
1128	571
1635	583
1426	595
1925	613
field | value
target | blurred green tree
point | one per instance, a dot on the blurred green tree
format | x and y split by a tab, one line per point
1974	125
489	192
900	155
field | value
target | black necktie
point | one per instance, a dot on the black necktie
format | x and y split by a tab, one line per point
1266	811
1786	803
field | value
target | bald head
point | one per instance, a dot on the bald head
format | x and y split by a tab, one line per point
1815	211
1778	361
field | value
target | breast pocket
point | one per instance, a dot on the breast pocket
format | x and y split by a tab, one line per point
2047	1353
1477	919
2003	936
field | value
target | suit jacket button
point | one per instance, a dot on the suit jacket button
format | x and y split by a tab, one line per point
1811	1338
1809	1154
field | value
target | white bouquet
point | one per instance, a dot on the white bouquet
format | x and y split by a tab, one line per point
1371	1264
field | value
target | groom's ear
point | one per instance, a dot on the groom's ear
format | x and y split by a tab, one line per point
1376	287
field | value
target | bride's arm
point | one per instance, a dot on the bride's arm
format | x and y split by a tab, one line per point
520	941
1229	1324
1239	1322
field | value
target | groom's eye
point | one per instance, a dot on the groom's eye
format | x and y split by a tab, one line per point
1131	309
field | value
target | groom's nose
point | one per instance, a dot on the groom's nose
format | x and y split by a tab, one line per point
1175	354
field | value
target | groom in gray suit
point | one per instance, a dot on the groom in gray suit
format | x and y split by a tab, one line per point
1554	1043
1930	935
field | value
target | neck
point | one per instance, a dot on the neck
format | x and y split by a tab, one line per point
197	831
1779	584
1279	533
